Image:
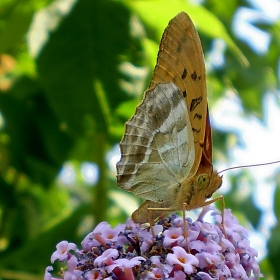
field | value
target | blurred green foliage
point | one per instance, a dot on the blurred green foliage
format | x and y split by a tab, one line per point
69	79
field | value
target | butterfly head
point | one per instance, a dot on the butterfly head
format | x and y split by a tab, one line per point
208	183
199	188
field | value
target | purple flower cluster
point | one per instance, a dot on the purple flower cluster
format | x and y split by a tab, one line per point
130	251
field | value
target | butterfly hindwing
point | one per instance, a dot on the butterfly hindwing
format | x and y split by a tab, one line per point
157	148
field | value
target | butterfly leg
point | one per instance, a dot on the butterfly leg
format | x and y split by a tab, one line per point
151	222
223	210
185	205
154	213
148	212
184	219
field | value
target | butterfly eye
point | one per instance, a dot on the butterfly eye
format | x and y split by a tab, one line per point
203	181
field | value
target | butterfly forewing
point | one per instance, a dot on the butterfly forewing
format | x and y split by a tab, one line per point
158	147
180	60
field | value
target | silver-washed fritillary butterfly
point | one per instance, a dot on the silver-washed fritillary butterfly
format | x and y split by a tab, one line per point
166	151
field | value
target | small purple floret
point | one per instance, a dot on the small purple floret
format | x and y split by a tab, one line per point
129	251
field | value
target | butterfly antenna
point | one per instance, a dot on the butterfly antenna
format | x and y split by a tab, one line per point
251	165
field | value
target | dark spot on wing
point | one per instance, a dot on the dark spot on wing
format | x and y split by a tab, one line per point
194	76
195	102
195	130
199	116
179	47
184	74
183	39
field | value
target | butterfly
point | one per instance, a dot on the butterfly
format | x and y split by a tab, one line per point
166	150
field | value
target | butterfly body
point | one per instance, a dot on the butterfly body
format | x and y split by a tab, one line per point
166	151
190	194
